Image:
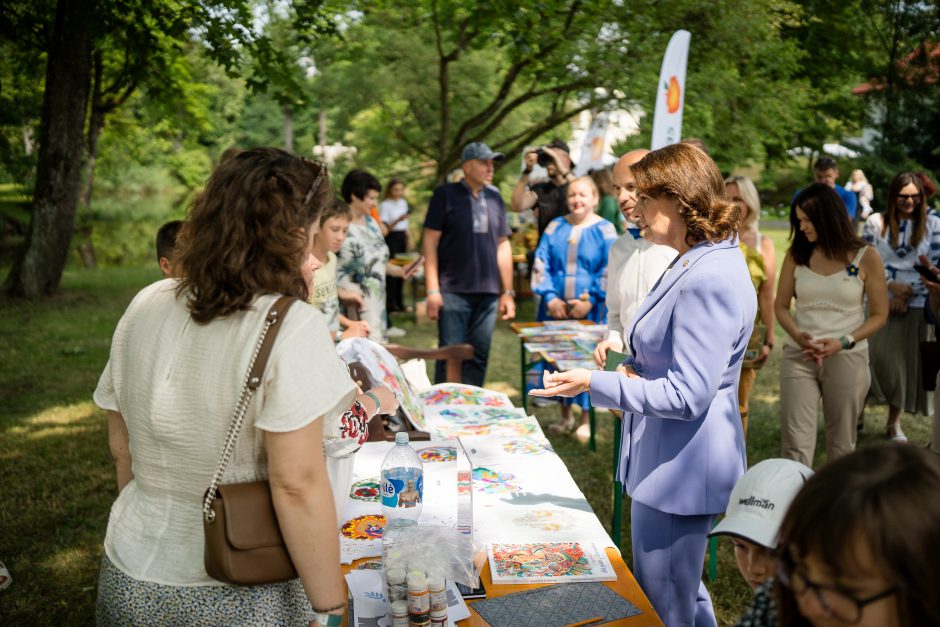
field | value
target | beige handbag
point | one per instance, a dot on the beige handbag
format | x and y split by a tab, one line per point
243	540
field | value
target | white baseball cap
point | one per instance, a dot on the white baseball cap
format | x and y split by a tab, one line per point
760	499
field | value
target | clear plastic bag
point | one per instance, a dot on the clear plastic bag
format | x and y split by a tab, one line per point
433	550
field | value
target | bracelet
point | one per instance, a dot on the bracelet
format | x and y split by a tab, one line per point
769	345
378	407
331	609
433	292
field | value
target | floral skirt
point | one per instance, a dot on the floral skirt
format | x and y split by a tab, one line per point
123	600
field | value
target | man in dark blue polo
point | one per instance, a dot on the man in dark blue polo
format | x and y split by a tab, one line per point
826	171
468	267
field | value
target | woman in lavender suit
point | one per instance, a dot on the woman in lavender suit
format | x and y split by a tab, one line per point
683	445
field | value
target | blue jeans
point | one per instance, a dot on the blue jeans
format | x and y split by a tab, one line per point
467	319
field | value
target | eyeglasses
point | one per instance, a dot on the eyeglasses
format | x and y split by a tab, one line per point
321	173
915	198
835	601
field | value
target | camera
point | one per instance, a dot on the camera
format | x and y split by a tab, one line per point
544	158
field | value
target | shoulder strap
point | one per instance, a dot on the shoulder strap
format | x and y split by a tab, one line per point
256	366
859	254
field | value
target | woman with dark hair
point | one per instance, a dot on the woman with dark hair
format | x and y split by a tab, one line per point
683	443
903	232
855	545
177	366
830	273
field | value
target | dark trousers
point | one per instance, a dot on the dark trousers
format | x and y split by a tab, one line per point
393	285
467	319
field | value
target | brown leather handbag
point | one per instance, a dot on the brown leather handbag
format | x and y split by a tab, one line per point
243	540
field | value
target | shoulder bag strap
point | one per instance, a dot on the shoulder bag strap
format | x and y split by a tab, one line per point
256	366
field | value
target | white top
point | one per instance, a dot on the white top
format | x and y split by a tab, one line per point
830	305
899	260
176	384
634	267
390	210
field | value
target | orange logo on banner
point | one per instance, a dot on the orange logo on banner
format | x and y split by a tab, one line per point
673	95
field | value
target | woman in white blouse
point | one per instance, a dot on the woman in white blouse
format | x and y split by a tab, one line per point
177	365
903	232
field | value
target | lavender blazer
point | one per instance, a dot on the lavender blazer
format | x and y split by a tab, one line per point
683	444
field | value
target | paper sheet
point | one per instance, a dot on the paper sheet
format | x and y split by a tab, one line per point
549	562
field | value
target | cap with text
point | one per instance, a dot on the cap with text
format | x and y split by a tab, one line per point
760	500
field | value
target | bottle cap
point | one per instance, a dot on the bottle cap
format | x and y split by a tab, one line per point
395	575
399	608
436	581
417	580
401	437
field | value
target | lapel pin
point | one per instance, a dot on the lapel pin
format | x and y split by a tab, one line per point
685	263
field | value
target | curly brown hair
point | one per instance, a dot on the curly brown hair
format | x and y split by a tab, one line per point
247	232
688	175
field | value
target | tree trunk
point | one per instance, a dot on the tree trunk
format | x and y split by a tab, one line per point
288	127
38	269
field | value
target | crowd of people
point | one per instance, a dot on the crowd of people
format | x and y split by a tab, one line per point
685	281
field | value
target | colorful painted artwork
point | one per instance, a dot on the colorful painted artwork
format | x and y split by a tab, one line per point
383	369
459	394
470	415
438	454
572	364
509	428
548	562
544	347
368	527
546	520
494	482
366	490
524	446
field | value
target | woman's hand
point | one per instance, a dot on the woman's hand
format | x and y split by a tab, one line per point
897	306
826	348
628	371
762	357
556	309
357	328
579	308
600	353
567	384
900	291
388	401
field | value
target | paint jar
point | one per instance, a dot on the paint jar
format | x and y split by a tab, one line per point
419	602
423	620
397	590
437	593
400	617
439	618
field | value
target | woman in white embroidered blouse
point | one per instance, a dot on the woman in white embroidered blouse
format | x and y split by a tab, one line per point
903	232
177	364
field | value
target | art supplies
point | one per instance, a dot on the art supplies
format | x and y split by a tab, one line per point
548	562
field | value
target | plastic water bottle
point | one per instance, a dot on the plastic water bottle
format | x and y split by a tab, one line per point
402	484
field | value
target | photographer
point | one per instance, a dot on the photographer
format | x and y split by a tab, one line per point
548	198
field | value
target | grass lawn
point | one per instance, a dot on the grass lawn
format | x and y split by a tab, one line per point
58	481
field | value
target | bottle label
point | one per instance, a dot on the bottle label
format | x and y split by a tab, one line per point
403	487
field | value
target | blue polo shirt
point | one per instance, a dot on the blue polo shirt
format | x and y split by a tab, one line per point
470	232
849	199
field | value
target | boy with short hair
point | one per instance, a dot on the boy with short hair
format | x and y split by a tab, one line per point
334	223
166	247
755	510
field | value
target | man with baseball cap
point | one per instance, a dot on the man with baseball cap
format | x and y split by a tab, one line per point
549	199
468	267
755	510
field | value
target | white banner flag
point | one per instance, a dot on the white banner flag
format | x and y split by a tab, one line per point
594	147
670	94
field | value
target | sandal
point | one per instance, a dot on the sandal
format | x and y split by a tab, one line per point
894	433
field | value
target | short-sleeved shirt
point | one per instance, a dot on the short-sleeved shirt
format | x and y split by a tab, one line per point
391	210
470	232
552	202
324	296
176	383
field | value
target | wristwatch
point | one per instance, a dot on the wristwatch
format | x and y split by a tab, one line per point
510	293
847	342
329	620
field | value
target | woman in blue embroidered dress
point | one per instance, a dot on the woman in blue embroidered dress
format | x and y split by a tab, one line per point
900	234
570	273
